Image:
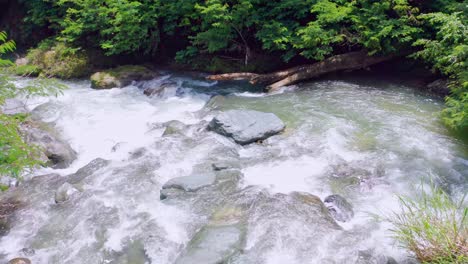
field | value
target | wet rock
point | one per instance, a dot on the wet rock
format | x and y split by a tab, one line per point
87	170
215	102
280	217
219	240
120	77
174	127
226	165
28	252
170	193
59	153
64	193
160	90
369	257
13	107
339	208
191	183
212	245
19	261
439	87
246	126
7	209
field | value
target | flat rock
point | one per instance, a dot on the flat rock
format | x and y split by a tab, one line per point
191	183
212	245
246	126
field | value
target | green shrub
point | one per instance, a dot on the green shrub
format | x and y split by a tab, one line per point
59	61
433	227
27	70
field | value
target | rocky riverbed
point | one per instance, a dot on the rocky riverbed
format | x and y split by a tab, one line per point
180	170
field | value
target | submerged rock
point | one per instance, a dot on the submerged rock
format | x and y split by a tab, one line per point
191	183
339	208
212	245
174	127
64	193
160	90
120	77
246	126
219	240
59	153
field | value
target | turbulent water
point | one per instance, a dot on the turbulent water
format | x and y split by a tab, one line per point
367	140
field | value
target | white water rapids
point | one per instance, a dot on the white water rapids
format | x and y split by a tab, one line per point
387	139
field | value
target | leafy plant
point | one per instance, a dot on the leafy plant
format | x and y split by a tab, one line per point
16	156
433	227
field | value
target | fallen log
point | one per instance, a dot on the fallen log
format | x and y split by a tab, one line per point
348	61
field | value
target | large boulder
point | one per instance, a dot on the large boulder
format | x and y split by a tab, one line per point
58	154
120	77
246	126
219	240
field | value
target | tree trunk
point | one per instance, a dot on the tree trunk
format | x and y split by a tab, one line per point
348	61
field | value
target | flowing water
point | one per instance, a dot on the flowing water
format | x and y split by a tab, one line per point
367	140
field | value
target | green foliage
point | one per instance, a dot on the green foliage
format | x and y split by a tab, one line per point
5	47
16	156
433	227
115	26
447	52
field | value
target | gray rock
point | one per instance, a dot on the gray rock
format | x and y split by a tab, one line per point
369	257
215	102
7	209
28	252
13	107
19	261
226	165
246	126
59	154
339	208
159	90
212	245
191	183
64	192
174	127
87	170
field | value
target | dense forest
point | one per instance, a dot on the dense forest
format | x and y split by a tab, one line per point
180	166
254	35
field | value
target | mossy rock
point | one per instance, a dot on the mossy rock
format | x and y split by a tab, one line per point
58	61
120	76
27	70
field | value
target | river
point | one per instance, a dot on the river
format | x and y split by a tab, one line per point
368	140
